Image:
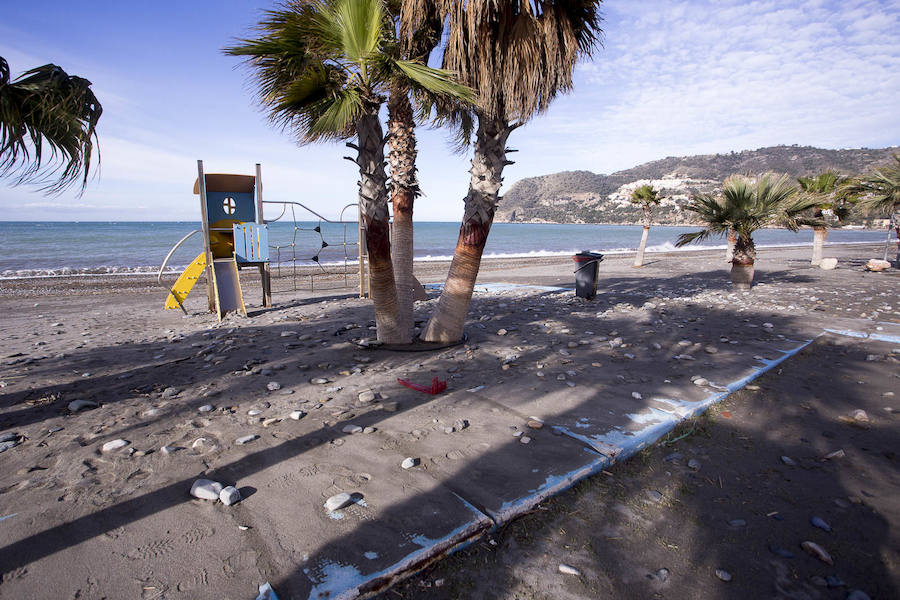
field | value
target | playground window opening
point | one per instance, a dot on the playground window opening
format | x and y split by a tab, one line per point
228	205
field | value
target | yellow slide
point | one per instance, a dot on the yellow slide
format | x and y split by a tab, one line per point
186	281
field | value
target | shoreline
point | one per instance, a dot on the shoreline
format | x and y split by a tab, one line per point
436	260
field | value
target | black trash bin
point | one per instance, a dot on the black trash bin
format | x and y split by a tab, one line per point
586	273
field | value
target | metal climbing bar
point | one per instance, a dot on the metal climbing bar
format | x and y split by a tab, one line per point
287	253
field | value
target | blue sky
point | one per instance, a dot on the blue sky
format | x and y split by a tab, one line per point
674	78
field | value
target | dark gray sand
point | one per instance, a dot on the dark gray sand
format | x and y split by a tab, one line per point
78	520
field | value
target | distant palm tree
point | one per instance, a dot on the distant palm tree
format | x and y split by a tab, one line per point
646	197
745	205
324	70
824	188
518	55
46	109
879	192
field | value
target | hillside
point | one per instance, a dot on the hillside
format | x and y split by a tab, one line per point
586	197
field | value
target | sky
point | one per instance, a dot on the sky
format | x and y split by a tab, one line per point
673	78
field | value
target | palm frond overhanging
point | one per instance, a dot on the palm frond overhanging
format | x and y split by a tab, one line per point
48	127
879	190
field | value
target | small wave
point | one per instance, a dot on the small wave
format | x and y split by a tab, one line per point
85	271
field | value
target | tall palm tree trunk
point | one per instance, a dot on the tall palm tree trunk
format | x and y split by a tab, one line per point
373	206
446	324
639	258
819	236
404	189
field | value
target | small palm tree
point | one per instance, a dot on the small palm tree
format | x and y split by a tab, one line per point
47	109
744	206
645	197
324	70
879	192
824	188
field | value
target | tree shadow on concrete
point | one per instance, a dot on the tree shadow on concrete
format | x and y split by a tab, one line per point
720	497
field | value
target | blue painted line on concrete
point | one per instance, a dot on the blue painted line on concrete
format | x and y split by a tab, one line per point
339	581
879	337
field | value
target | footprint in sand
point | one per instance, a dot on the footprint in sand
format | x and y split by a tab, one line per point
197	581
196	534
154	549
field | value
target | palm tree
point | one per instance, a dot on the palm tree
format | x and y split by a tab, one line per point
744	206
824	188
416	40
46	108
518	55
644	196
323	70
879	192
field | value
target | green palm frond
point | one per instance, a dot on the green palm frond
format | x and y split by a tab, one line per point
879	190
696	236
338	115
746	204
645	195
318	64
435	82
46	111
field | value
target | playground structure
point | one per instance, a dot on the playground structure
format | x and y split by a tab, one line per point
235	235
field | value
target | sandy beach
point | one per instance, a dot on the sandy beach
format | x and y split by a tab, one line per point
286	407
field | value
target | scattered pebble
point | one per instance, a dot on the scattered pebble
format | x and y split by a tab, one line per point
297	415
352	429
525	439
788	461
273	386
338	501
206	408
114	445
723	575
820	523
246	439
694	464
77	405
366	396
206	489
229	495
569	570
409	463
813	549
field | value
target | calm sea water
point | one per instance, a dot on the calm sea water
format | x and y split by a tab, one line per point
29	249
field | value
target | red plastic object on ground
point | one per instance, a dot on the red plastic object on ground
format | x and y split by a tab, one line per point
437	386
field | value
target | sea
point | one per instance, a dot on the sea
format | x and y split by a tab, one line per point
49	249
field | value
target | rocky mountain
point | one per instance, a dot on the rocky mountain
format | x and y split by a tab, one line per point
586	197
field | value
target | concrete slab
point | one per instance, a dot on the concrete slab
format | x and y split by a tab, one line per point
486	463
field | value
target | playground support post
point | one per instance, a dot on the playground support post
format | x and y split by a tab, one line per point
210	292
264	273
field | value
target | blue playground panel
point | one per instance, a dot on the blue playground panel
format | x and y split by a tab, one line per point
251	243
233	206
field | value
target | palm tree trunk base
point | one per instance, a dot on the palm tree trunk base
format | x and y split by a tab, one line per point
741	276
420	345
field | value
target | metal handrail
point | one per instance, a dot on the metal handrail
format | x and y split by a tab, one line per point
306	208
169	256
